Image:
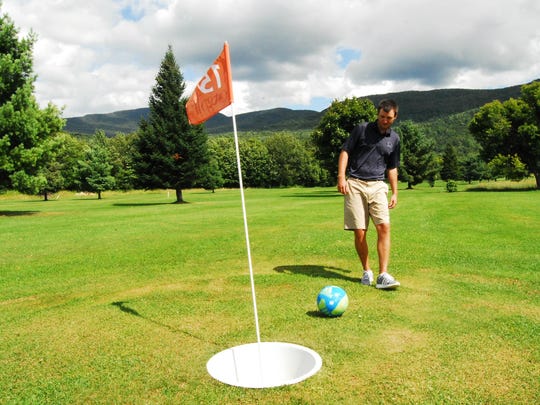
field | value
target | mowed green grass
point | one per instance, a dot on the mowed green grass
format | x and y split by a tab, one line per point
124	300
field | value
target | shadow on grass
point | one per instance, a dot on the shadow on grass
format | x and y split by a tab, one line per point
123	306
501	189
317	271
319	314
17	213
143	204
316	194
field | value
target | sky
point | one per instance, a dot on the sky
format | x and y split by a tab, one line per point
102	56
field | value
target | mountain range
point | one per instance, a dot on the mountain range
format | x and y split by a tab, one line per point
418	106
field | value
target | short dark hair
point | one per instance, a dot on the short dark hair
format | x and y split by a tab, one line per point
388	105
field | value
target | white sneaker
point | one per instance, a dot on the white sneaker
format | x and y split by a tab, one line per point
386	282
367	277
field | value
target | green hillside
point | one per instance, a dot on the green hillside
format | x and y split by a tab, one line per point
120	121
419	106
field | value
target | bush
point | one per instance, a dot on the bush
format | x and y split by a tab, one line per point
451	186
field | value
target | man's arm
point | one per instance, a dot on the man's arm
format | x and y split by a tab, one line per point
342	178
393	180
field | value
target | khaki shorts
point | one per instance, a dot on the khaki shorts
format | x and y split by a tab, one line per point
366	199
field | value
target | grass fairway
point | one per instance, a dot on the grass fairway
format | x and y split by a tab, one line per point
124	300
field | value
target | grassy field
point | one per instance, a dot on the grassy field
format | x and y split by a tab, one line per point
125	299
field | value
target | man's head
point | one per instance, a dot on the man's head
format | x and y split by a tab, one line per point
386	114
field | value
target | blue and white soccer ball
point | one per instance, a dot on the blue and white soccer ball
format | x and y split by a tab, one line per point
332	301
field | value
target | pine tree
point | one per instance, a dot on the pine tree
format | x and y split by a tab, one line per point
24	127
418	161
171	153
95	171
450	164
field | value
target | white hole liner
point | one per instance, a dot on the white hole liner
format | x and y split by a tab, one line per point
264	365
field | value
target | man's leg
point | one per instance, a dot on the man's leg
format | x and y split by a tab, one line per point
360	243
384	280
357	220
383	246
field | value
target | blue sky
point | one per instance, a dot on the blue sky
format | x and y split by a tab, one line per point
347	55
130	14
103	56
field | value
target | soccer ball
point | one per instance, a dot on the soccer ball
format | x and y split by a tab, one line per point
332	301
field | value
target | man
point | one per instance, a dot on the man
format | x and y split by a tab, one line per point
371	151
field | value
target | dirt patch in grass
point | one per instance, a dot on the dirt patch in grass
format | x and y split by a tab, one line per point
402	340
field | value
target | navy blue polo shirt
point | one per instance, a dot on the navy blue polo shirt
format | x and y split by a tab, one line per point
371	153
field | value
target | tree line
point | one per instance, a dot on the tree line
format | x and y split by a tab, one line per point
37	157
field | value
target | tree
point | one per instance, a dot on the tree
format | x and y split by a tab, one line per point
257	166
24	127
68	151
57	169
335	127
96	170
418	161
281	160
170	152
292	164
511	129
256	163
222	150
450	164
312	172
122	149
52	171
472	168
212	178
509	167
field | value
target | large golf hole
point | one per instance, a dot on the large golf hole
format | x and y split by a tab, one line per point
264	365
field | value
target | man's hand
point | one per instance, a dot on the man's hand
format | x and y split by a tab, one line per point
342	186
393	180
393	201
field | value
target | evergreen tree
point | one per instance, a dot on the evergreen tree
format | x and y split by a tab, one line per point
170	152
212	178
418	161
24	127
450	164
96	170
472	168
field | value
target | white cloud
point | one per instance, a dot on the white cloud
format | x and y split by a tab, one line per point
102	56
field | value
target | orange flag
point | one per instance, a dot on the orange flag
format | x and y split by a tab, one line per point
213	92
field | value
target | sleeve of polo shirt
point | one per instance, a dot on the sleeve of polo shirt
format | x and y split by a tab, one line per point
352	140
394	158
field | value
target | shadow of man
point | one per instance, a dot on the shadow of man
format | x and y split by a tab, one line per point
316	271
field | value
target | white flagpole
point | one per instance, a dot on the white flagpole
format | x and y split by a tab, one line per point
245	225
235	366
